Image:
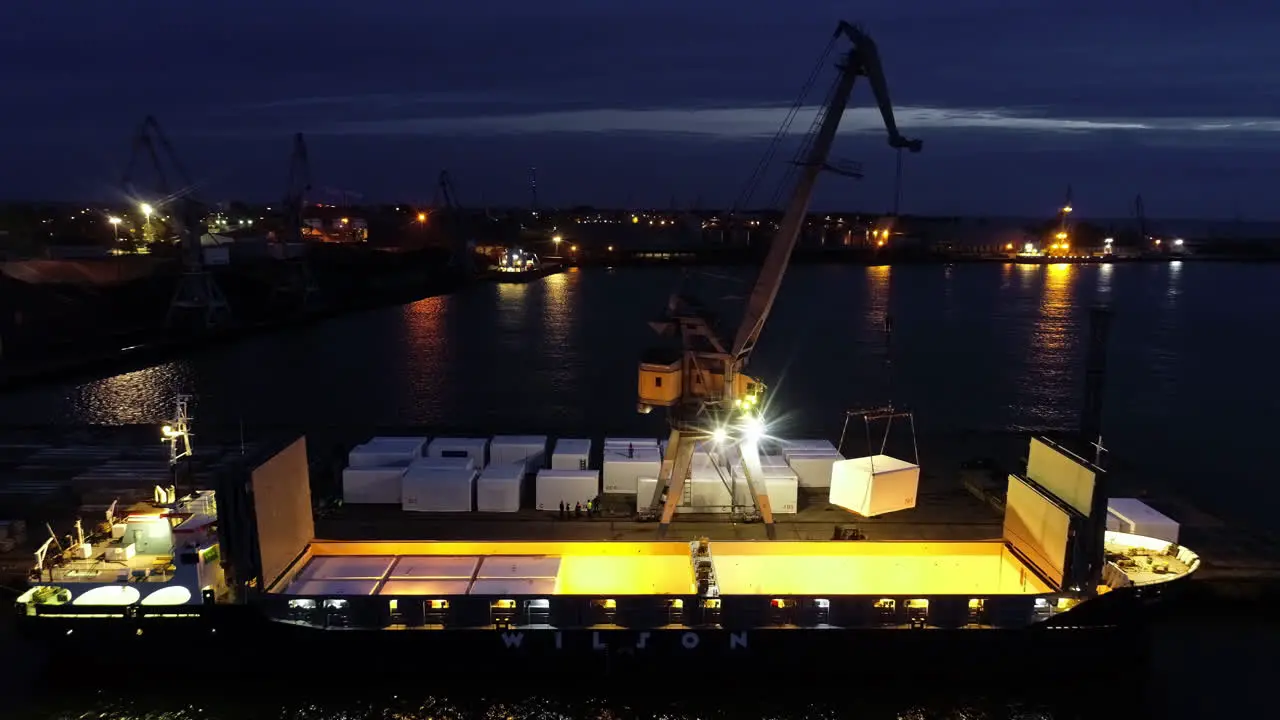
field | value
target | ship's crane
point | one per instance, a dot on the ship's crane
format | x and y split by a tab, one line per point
197	293
708	396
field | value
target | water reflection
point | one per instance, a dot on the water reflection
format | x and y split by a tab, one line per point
878	277
1174	288
1048	377
131	398
1104	282
558	311
429	349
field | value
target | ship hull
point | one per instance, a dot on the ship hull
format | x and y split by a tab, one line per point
241	641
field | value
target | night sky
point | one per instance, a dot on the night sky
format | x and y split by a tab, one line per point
639	103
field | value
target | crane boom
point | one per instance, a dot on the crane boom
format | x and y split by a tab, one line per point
705	387
863	59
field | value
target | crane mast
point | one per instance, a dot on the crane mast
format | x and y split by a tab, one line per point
705	388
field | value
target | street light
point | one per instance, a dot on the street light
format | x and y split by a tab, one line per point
147	233
115	227
422	217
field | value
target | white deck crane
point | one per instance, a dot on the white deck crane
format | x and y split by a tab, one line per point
705	390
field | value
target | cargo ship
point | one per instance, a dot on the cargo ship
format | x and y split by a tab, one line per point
239	576
220	572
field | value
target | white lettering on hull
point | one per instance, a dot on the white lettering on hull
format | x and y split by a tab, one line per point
644	640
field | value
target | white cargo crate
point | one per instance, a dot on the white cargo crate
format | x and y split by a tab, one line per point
498	489
554	486
386	452
474	448
438	491
434	464
622	468
571	454
875	485
813	467
783	495
624	443
372	485
528	450
1130	515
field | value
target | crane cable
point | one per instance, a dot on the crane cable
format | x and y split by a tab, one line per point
757	174
788	179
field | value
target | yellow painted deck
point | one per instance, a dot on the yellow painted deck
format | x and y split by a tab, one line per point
605	569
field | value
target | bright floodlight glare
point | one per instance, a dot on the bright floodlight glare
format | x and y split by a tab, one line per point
753	427
719	435
147	209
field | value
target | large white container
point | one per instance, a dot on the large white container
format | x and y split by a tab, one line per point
416	444
875	485
624	443
554	486
813	467
386	452
706	495
498	489
800	445
432	464
437	491
622	468
372	485
571	454
783	495
1130	515
528	450
474	448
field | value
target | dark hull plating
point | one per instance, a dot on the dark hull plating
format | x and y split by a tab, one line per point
241	641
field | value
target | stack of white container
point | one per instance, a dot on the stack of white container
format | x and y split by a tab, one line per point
571	454
781	483
477	449
811	460
717	483
627	460
874	485
568	480
499	487
444	481
529	451
376	469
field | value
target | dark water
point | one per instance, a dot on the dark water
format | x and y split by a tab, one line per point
1192	398
1192	390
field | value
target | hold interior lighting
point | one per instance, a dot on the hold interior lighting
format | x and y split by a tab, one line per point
719	435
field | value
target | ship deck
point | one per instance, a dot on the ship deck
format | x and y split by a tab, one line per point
612	568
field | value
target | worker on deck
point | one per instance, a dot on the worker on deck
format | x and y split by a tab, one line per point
577	509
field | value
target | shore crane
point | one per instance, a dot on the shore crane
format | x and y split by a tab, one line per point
707	395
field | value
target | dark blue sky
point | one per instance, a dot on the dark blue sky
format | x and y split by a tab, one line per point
621	103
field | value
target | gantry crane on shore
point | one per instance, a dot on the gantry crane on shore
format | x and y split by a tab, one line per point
708	396
196	294
297	282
